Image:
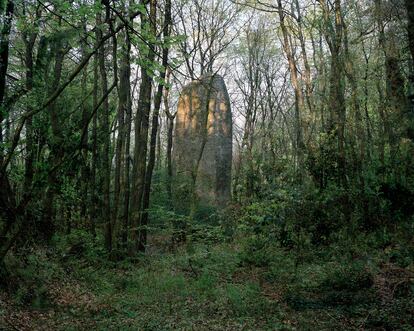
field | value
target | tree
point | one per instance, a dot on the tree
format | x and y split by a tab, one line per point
139	231
155	119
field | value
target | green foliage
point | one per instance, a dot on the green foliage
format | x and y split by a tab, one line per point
80	244
245	299
30	274
257	252
348	277
206	285
319	236
213	284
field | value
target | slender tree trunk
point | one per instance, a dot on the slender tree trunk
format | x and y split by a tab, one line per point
299	101
138	233
11	228
308	82
57	150
4	62
94	201
85	171
29	41
366	99
105	140
123	97
121	161
155	120
409	4
359	138
127	167
394	86
170	131
410	28
159	156
336	127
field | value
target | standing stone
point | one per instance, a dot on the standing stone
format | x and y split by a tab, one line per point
202	148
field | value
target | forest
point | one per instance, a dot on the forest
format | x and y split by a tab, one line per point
206	165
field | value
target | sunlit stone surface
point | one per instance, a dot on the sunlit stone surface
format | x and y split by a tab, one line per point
203	135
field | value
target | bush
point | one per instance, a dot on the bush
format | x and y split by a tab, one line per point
257	251
245	299
348	277
30	274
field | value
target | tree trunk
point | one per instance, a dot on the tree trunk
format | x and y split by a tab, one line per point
47	226
121	161
4	62
85	171
170	131
308	83
138	233
299	101
105	140
155	119
409	4
159	156
336	126
94	201
29	41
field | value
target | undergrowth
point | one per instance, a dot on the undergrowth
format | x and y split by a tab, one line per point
250	283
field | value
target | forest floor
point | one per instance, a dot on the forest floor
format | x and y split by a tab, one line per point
208	286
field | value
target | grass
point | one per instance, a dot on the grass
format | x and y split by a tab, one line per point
212	286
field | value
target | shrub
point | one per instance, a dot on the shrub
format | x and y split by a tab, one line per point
30	275
349	277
